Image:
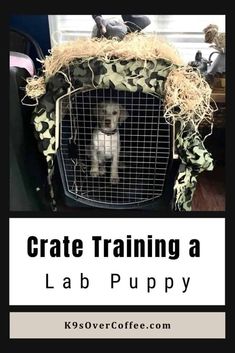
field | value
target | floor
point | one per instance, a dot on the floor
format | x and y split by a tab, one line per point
210	192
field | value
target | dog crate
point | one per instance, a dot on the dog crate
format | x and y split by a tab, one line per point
137	73
145	158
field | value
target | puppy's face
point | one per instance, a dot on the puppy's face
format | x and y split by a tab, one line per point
109	114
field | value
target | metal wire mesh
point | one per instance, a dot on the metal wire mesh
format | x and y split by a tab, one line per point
145	147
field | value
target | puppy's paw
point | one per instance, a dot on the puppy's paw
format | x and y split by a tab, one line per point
94	173
114	180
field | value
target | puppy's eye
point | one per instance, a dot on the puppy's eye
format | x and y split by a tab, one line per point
114	112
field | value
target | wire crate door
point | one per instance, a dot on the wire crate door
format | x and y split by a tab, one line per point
145	148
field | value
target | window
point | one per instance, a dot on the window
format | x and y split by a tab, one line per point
185	32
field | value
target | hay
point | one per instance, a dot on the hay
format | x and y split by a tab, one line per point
35	87
187	97
133	46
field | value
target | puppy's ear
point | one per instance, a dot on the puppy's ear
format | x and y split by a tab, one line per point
123	114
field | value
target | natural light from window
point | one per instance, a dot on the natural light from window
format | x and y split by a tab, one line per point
185	32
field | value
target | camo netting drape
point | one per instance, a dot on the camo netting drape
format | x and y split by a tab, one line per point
132	75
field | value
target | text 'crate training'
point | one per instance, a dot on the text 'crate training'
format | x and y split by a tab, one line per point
143	147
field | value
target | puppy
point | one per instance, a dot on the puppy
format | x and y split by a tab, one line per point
106	140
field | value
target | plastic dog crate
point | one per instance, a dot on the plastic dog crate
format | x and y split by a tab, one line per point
146	171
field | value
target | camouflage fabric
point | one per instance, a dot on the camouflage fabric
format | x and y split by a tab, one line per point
133	75
194	159
44	124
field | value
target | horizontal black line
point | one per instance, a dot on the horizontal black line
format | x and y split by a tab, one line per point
115	213
117	308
